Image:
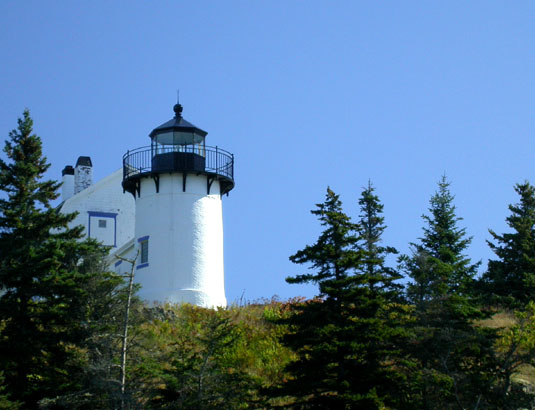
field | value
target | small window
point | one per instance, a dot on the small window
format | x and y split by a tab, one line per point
143	254
144	251
101	223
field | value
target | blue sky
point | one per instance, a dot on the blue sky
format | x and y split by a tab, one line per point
306	94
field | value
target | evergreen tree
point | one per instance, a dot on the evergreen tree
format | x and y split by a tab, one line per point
370	229
342	338
5	402
96	382
510	279
456	361
42	301
387	332
442	247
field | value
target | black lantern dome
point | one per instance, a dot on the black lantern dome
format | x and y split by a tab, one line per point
177	131
178	146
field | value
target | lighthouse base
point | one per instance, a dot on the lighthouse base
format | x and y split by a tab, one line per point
192	296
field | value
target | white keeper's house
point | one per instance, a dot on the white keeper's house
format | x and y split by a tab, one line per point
163	209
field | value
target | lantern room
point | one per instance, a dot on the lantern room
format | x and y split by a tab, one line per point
178	135
178	146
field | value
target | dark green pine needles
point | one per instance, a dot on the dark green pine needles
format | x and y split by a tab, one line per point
510	278
344	339
454	359
41	304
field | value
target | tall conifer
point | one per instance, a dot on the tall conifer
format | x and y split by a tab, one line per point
342	337
370	230
387	317
443	246
41	304
510	279
455	356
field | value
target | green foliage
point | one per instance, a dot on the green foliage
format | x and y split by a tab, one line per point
191	357
438	266
515	349
344	339
332	256
369	231
510	279
5	402
46	300
98	377
456	364
258	348
201	375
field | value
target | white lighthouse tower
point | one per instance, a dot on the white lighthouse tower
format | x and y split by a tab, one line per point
178	182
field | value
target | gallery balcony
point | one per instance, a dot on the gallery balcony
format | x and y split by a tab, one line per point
151	161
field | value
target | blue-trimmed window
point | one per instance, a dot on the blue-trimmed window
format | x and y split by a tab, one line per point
102	226
143	252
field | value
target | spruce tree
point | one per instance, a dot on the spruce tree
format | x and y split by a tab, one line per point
510	279
342	338
456	362
387	333
42	301
96	382
370	230
443	246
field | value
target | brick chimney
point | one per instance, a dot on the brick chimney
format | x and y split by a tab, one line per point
83	174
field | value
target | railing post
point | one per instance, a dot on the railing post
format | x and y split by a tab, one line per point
125	168
216	160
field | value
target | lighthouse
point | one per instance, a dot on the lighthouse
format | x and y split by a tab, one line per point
178	183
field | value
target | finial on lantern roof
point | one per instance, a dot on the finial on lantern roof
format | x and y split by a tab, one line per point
178	108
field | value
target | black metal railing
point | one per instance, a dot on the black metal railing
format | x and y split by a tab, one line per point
146	160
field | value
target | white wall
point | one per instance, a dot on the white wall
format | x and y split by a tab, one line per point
185	231
104	201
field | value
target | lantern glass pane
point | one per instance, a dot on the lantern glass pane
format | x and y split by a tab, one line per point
165	138
177	137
